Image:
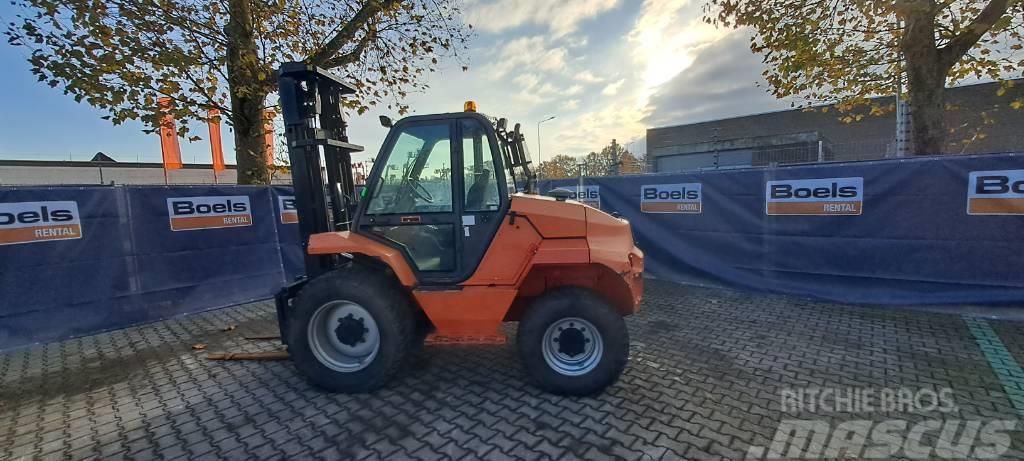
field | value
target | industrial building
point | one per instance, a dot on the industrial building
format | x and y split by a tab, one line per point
820	135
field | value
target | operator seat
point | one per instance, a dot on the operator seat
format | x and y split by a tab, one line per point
476	197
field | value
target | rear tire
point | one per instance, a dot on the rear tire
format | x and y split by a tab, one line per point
572	342
351	330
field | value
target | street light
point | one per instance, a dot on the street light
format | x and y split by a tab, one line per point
539	157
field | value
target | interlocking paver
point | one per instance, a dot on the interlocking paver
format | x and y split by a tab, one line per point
704	379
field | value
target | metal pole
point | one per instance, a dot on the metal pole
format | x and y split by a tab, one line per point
714	140
540	158
821	151
580	190
614	167
899	119
901	132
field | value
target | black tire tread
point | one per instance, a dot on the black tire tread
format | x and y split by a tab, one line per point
389	305
573	302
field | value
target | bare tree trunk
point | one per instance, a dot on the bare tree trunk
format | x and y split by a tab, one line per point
926	74
927	91
248	95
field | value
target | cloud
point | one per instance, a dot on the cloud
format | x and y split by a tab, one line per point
593	129
587	76
527	81
722	82
667	36
533	73
613	88
560	17
669	69
663	43
527	53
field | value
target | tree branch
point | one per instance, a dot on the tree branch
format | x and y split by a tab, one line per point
351	56
347	33
959	46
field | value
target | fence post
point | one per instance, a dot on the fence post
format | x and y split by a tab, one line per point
821	151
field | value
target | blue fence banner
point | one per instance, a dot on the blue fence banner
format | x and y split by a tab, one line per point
53	289
130	255
79	260
288	233
883	232
203	246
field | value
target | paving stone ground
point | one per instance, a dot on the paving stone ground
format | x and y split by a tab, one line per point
706	372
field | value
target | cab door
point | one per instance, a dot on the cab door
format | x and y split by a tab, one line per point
412	201
485	200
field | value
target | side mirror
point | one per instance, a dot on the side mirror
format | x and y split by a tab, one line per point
560	194
385	121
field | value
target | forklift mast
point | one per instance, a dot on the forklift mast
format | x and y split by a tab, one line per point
320	154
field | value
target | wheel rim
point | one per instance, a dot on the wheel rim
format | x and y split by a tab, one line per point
572	346
343	336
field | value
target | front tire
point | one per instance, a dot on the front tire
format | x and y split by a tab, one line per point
352	330
572	342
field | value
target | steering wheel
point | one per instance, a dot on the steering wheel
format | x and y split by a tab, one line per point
419	191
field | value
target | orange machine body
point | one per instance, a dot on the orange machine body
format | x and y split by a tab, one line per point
542	244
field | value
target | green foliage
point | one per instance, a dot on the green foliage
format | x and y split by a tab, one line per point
594	164
121	55
559	166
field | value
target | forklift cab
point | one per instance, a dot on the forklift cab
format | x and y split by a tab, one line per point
437	192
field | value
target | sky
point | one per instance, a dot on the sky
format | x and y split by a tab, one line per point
605	69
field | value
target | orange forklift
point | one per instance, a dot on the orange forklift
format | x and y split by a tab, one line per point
448	239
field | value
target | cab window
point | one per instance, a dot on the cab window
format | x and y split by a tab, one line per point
481	187
417	176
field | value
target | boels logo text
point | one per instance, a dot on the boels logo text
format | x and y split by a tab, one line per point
286	208
192	213
830	196
995	192
27	222
671	198
588	195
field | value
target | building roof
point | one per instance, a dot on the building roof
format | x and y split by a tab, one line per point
101	157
